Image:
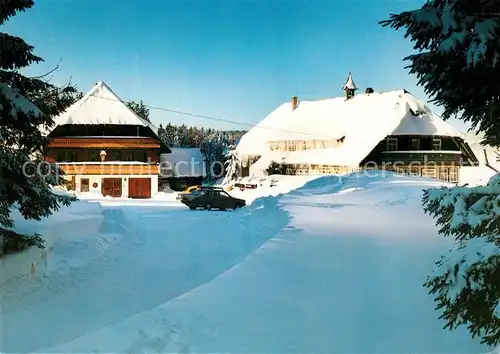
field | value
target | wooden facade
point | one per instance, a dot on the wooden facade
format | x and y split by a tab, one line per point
445	173
105	143
112	160
109	169
62	155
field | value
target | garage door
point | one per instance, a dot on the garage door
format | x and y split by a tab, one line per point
111	187
139	187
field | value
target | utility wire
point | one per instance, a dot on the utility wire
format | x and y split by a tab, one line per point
213	118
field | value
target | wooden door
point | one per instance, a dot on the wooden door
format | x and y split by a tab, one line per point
111	187
139	187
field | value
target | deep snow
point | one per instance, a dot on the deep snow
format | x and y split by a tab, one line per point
335	266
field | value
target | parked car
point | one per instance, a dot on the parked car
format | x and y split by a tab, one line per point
188	190
211	198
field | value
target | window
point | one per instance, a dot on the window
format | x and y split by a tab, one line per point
429	172
453	177
392	144
436	144
93	155
140	156
444	174
415	144
414	171
115	155
84	185
61	156
128	156
304	145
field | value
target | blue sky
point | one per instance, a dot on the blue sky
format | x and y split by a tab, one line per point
229	59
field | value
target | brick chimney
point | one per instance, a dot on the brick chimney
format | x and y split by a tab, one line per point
295	102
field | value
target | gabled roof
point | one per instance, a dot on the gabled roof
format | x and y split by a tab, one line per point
184	162
363	120
101	106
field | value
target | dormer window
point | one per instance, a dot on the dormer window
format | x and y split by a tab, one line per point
436	144
392	144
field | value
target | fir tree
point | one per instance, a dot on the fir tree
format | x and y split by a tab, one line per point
232	164
170	133
140	109
27	106
459	40
458	64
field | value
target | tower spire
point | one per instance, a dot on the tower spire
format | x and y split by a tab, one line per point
349	87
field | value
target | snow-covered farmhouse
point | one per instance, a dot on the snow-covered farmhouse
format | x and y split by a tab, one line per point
182	167
376	130
103	146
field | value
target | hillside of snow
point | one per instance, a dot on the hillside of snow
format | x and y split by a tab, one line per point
336	265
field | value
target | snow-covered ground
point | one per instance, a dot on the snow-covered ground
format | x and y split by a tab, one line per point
334	266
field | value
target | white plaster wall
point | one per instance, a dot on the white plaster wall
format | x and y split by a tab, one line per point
97	179
154	185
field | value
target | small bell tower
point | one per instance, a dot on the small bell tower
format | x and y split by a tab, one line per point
349	87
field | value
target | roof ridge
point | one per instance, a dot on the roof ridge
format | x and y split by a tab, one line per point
359	94
144	121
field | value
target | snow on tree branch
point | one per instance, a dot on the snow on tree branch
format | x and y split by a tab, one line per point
18	102
458	58
466	282
462	211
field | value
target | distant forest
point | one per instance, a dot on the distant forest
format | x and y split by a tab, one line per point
214	144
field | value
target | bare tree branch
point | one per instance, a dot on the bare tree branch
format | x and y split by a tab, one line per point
487	163
50	72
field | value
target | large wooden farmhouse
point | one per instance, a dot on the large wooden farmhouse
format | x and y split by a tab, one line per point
102	146
389	130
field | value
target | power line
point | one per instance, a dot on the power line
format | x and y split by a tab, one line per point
212	118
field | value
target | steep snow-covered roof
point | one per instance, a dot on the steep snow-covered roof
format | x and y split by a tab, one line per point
19	102
349	84
363	120
101	106
185	162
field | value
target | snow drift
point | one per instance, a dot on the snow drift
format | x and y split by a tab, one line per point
345	275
